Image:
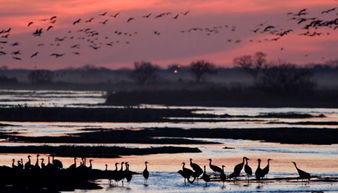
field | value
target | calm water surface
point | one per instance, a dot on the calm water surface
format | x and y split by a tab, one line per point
316	159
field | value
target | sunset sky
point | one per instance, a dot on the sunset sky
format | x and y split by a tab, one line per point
163	40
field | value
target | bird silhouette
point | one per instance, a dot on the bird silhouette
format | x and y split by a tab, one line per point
265	170
73	166
43	165
77	21
130	19
214	167
57	163
259	172
28	164
186	174
237	169
38	32
104	13
35	54
127	173
222	175
302	174
49	28
205	176
36	166
30	23
115	15
56	55
53	17
197	169
147	16
176	16
146	172
247	168
186	13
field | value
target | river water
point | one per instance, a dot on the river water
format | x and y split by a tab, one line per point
316	159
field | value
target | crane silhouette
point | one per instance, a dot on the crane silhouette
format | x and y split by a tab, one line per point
197	169
28	165
145	172
205	176
237	169
265	170
57	163
247	168
222	175
214	167
186	174
259	171
73	166
302	174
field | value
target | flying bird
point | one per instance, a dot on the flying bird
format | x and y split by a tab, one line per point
35	54
186	13
49	28
115	15
76	21
104	13
147	16
56	55
130	19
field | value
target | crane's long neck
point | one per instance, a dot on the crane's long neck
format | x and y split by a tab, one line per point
295	165
146	166
116	166
259	164
48	160
37	160
13	162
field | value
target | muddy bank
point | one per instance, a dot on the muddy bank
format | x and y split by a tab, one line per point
128	114
95	151
65	114
322	136
224	97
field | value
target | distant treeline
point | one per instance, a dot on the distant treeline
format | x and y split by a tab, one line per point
248	70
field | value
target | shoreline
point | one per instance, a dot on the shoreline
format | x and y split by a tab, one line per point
321	136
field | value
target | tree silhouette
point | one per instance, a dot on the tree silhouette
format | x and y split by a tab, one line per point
285	79
41	76
252	64
200	68
144	72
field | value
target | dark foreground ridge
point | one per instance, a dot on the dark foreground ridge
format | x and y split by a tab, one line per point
95	151
47	114
129	114
224	97
319	136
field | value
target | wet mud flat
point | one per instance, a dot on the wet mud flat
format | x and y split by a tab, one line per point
95	151
114	114
225	97
318	136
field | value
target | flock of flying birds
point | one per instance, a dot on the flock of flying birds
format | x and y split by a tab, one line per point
82	32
